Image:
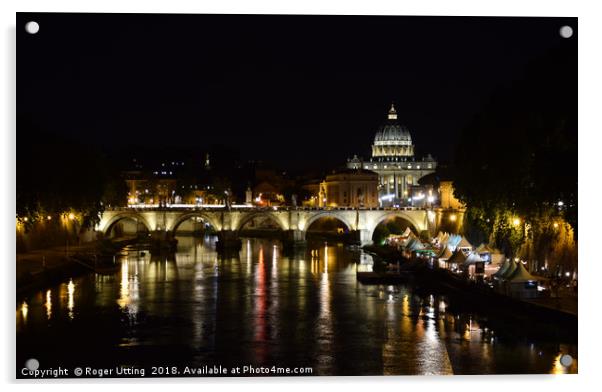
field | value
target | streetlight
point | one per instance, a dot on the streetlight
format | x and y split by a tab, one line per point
516	221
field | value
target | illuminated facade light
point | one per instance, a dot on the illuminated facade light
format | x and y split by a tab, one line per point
516	221
71	216
453	217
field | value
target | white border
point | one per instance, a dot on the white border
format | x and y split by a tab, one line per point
590	129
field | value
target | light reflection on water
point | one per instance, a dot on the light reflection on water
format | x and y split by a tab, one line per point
71	300
48	304
265	308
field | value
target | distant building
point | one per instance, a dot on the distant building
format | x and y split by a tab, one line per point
269	188
356	188
267	194
393	159
144	189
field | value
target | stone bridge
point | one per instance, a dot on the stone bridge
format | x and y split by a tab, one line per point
294	222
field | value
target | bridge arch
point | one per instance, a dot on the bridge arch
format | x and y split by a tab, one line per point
138	218
259	214
414	224
184	217
328	214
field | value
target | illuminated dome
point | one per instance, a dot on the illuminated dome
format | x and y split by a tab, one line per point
392	139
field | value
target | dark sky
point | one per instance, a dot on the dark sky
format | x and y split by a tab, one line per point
297	90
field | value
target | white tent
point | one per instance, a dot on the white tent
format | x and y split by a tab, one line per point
500	273
509	271
445	253
521	283
521	274
407	232
444	256
484	248
445	237
464	244
414	244
472	258
469	265
457	259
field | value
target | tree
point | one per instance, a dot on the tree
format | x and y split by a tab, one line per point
56	175
516	163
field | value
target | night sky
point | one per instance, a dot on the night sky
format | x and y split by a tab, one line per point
301	91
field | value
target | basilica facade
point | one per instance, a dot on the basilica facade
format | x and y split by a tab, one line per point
394	161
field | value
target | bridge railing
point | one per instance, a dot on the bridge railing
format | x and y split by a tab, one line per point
155	208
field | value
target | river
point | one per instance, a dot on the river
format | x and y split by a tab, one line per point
266	309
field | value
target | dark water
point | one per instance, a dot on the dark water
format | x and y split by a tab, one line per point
265	309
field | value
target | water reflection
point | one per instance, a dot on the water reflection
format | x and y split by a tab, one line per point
71	301
24	311
48	304
265	307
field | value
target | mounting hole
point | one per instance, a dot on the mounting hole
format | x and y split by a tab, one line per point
32	27
566	360
566	31
32	364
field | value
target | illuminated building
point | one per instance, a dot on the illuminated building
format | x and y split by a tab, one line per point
394	161
269	187
345	188
349	188
149	189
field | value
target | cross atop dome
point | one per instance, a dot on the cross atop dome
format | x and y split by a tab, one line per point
392	113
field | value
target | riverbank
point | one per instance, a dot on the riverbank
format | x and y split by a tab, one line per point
43	267
562	311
